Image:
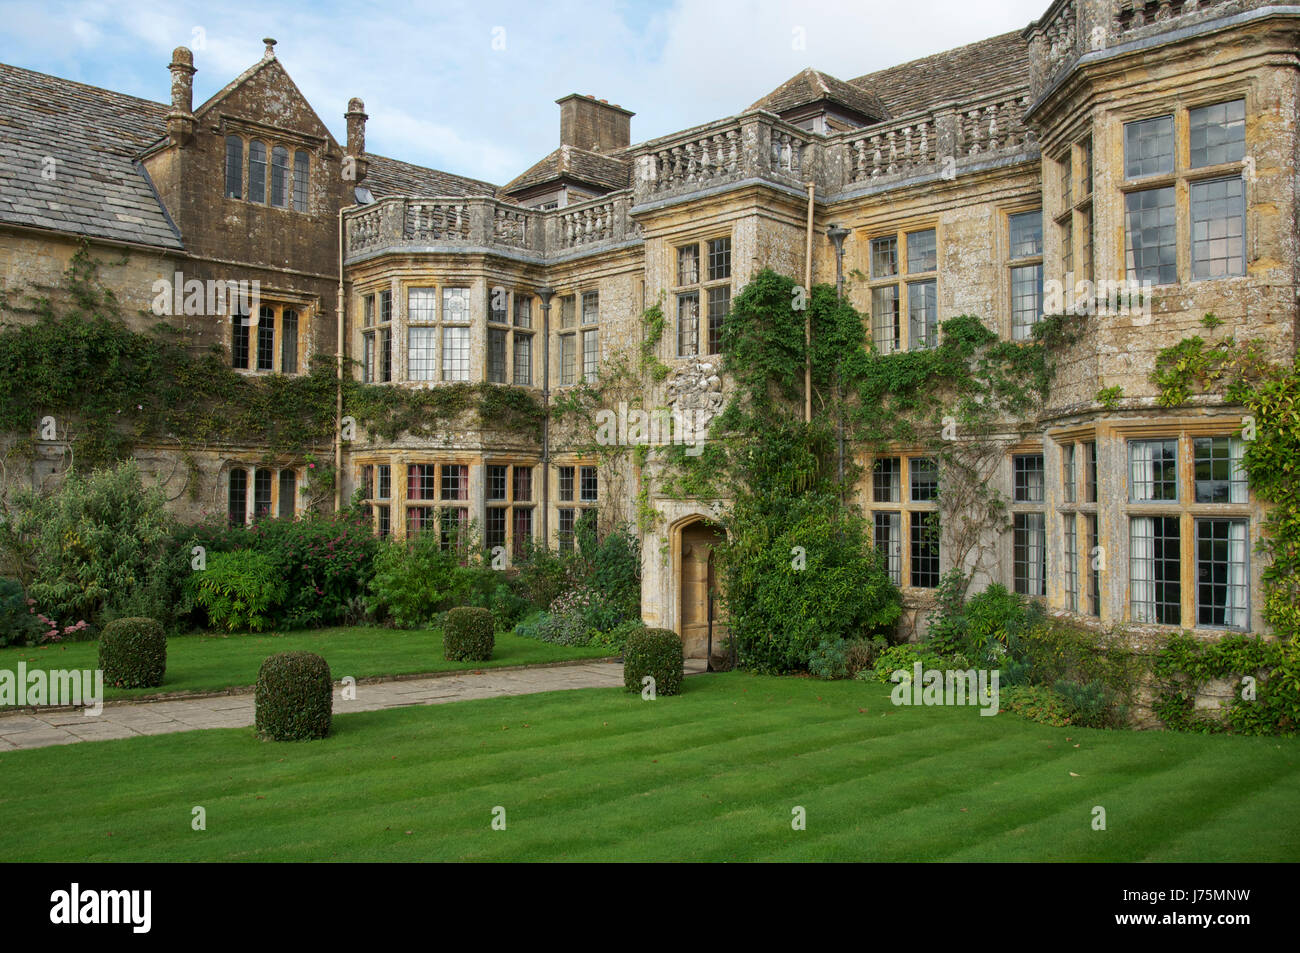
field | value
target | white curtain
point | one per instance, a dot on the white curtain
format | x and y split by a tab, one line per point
1235	605
1142	558
1237	488
1034	486
1142	467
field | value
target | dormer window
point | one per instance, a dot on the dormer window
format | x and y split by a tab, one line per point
286	186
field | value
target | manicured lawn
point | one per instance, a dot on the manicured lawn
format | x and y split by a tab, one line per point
710	775
198	663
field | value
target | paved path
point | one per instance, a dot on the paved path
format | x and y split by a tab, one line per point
128	720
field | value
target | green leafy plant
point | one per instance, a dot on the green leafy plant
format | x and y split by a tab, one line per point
18	624
1109	397
467	635
1037	703
240	590
654	653
417	578
133	653
294	697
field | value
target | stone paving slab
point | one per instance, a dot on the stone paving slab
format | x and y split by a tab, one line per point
135	719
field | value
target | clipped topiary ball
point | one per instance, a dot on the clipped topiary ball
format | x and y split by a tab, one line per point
657	653
294	698
133	653
467	635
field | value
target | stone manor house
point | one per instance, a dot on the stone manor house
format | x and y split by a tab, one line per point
1110	140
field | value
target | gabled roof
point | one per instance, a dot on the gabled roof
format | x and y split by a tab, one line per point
967	72
569	163
813	86
93	135
392	177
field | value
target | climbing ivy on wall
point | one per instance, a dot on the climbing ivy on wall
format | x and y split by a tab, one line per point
1240	373
110	388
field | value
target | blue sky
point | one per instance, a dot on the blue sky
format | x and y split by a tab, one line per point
470	88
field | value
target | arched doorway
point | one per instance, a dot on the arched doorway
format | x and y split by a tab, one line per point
697	585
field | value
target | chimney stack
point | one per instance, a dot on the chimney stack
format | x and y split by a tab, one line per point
356	149
180	120
593	124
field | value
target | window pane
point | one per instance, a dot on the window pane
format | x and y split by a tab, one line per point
497	355
590	308
924	474
422	305
564	530
237	496
1219	475
498	305
1148	147
1154	581
922	315
568	358
265	338
564	482
385	488
590	354
1026	300
455	482
496	483
888	541
719	305
494	527
886	474
921	254
368	358
1149	232
421	481
385	354
301	165
884	257
239	341
524	360
567	308
925	550
262	480
1026	234
523	530
1070	549
455	354
420	350
234	167
688	324
385	307
1028	471
289	341
719	259
1094	568
1067	472
1222	587
1217	133
1153	470
455	304
523	484
1218	228
884	319
1090	472
280	177
523	311
1030	554
368	311
588	486
688	265
288	493
256	172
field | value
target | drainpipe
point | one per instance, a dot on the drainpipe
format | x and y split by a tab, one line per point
807	312
338	361
546	293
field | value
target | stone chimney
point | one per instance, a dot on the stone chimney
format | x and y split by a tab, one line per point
593	124
356	149
180	119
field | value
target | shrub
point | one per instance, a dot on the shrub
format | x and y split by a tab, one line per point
531	625
133	653
658	654
1037	703
467	635
415	579
1092	703
18	625
861	654
981	624
98	546
830	659
614	581
544	575
780	611
904	657
566	627
616	638
240	590
294	699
